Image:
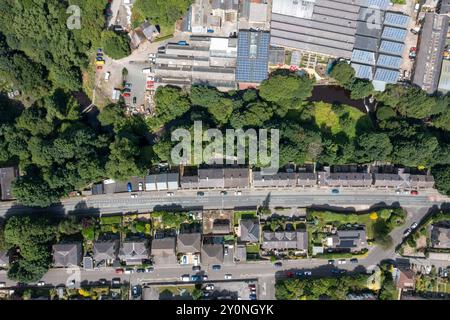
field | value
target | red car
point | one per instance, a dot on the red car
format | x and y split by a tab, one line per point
414	192
150	82
119	271
126	94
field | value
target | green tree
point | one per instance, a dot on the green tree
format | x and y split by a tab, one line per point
254	115
359	88
171	103
441	176
115	45
374	147
342	72
163	13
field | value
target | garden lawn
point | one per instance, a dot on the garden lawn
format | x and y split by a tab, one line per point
243	214
253	248
326	117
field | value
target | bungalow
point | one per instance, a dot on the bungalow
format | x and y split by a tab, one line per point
189	246
133	252
283	240
212	254
348	240
67	255
440	237
163	251
105	252
249	229
7	177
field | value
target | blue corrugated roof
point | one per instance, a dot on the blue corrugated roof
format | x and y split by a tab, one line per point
252	56
365	57
363	71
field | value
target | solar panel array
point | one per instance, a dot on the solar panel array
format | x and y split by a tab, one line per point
394	34
386	75
252	56
382	4
363	71
396	20
389	61
394	48
365	57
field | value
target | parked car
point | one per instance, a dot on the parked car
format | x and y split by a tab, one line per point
170	194
149	269
140	270
196	268
129	187
342	271
135	291
308	273
115	281
225	252
102	281
209	287
129	271
414	225
252	296
200	194
223	193
407	232
152	55
134	100
134	195
126	94
342	261
414	192
335	271
298	273
238	193
141	186
252	286
185	278
354	260
162	49
205	277
331	262
182	43
196	277
228	276
216	267
335	191
278	264
41	284
119	271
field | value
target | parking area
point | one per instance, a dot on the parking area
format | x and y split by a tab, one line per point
231	290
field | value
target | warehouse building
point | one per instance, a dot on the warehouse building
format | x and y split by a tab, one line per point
430	53
204	60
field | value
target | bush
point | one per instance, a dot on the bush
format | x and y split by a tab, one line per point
88	233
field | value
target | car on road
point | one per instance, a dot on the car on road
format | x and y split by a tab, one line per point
196	268
335	191
223	193
209	287
407	232
119	271
216	267
238	193
228	276
185	278
331	262
414	192
398	191
182	43
354	260
149	269
278	264
102	281
129	187
115	281
41	284
414	225
140	270
342	261
134	195
170	194
129	271
200	194
307	273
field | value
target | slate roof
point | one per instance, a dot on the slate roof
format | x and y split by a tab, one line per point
249	230
4	259
285	240
105	250
163	251
189	242
212	254
67	255
133	251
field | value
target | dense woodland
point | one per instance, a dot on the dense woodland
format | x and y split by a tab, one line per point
59	150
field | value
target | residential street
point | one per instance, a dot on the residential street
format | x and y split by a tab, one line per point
264	271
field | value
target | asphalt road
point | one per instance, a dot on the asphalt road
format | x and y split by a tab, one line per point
147	201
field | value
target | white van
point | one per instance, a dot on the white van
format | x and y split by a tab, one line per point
107	75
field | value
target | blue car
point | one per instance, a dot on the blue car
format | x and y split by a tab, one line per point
182	43
129	187
252	296
216	267
196	278
335	191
